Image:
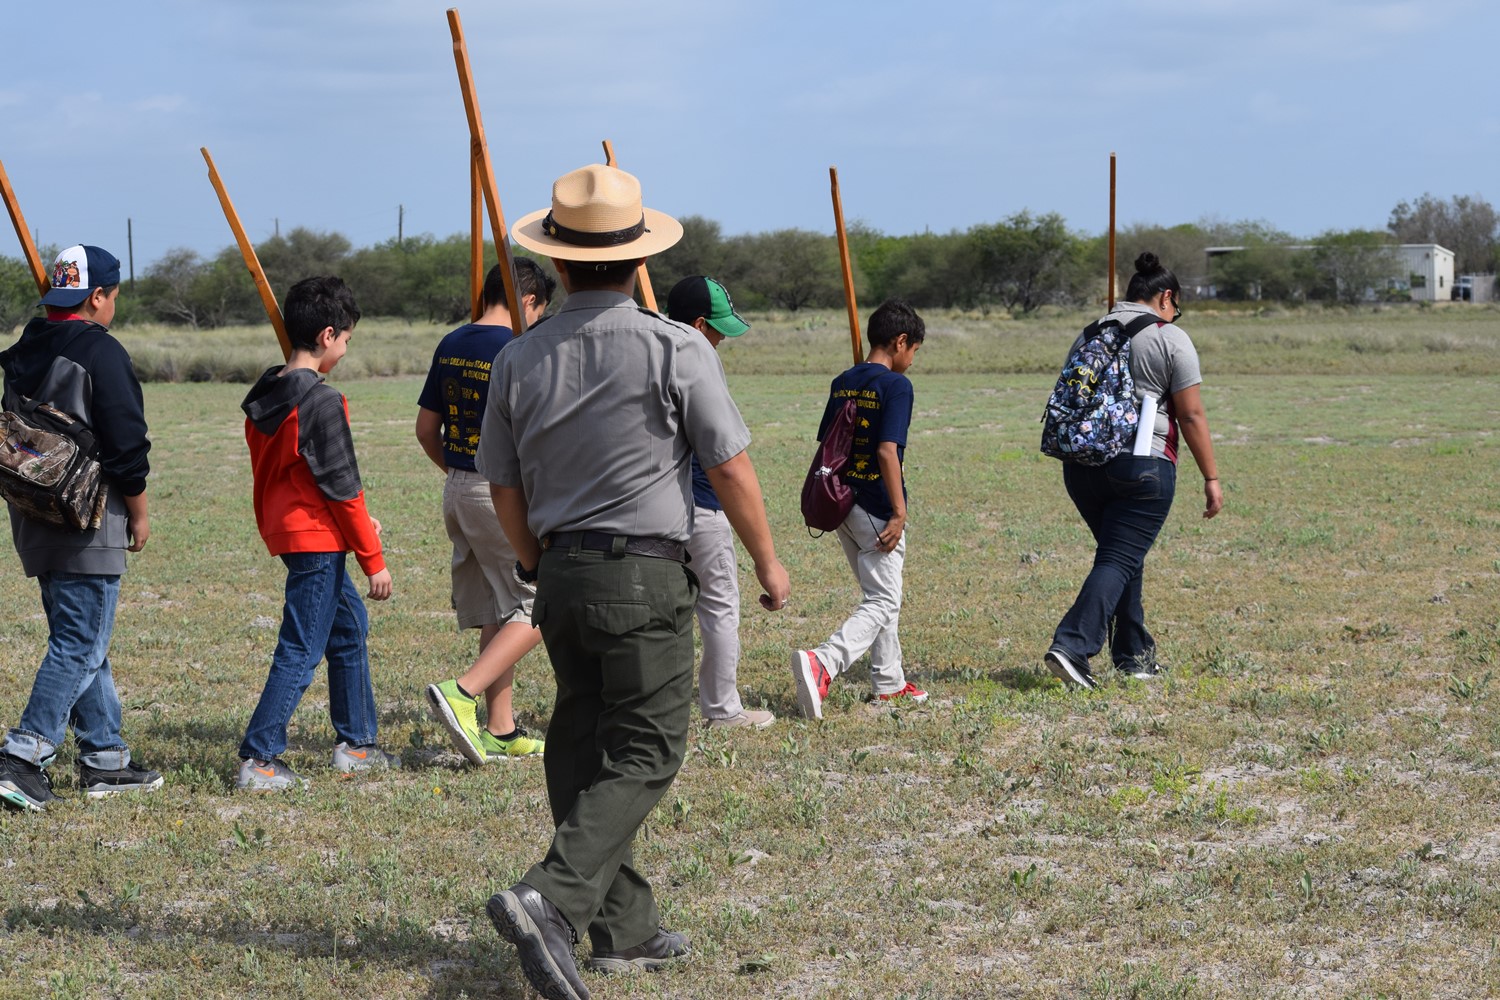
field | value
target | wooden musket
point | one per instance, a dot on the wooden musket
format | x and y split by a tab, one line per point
642	279
1111	233
838	222
252	262
481	155
33	259
476	241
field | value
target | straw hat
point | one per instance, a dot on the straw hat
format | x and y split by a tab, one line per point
596	215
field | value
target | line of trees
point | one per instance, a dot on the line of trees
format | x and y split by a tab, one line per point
1016	265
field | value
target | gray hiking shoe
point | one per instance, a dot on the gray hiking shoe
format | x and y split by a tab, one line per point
268	776
350	759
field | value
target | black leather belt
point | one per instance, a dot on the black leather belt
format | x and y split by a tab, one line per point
603	541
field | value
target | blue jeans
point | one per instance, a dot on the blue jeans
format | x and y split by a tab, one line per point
73	685
1125	503
323	617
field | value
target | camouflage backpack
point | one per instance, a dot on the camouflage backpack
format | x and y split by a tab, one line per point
1091	415
49	470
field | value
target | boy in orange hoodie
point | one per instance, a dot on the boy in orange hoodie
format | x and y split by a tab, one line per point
310	509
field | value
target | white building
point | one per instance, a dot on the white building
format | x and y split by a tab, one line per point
1429	268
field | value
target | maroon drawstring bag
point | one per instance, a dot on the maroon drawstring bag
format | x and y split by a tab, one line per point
826	500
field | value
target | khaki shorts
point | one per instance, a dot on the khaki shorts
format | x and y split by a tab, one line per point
485	588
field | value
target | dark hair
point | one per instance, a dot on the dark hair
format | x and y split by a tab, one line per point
1151	278
314	304
586	276
891	320
530	280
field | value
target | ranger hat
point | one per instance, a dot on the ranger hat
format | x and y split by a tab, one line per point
697	295
596	215
77	272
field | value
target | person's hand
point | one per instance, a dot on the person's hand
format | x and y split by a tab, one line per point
777	586
137	529
380	586
376	523
1213	497
890	535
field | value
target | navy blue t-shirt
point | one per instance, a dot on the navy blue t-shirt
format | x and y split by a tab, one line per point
458	383
703	491
884	399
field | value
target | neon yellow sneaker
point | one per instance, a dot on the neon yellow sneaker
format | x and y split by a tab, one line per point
456	712
521	745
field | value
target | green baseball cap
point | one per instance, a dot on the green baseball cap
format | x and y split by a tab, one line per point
698	295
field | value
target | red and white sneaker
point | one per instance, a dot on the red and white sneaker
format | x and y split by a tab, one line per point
910	693
812	682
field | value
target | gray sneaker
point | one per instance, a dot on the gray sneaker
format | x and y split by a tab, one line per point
268	776
748	718
366	758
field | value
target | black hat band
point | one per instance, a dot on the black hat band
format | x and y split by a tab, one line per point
579	238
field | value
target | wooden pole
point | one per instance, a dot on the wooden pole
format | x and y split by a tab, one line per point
247	253
481	154
476	240
1111	233
642	279
838	222
33	259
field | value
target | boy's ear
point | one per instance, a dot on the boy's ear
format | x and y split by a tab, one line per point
326	336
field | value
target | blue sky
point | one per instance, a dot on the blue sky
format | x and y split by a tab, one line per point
1308	114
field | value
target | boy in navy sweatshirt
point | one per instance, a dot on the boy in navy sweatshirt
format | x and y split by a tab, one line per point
70	360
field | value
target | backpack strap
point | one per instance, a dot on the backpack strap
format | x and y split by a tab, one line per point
1140	323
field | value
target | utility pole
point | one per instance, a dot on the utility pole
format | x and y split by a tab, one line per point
130	250
400	225
277	222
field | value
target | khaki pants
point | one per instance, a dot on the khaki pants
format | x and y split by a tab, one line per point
712	549
619	632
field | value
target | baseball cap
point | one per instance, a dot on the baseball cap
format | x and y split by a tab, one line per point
701	296
77	272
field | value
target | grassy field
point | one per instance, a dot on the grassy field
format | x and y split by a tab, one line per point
1303	807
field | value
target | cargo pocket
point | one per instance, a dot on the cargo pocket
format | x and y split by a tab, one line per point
538	612
617	617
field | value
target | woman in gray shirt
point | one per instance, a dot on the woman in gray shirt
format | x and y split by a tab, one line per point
1125	501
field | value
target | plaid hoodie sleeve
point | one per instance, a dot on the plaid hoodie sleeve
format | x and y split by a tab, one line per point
326	444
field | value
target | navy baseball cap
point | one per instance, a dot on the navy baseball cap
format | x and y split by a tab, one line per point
699	296
77	272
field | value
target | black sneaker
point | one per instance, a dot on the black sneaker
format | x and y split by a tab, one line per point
23	784
1069	671
99	782
651	955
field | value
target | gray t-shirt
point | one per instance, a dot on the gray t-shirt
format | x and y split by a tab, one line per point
596	413
1163	361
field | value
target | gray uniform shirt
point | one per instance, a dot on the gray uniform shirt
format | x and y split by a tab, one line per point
1163	361
596	413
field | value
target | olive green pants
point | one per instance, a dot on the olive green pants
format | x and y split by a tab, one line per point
619	632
